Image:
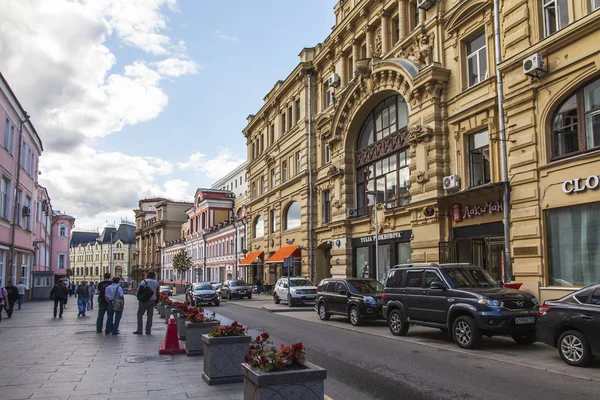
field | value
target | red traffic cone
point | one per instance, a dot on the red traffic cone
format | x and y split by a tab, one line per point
171	344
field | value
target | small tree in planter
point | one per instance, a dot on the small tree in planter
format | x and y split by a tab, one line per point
281	372
198	323
182	262
224	350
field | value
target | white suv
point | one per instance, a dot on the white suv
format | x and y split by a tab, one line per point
300	290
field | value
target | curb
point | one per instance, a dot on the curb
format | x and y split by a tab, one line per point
285	310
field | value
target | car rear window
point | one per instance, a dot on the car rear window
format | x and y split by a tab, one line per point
324	286
395	278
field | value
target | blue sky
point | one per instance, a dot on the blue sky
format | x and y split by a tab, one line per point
140	98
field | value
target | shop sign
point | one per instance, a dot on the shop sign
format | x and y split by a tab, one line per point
472	211
382	236
581	185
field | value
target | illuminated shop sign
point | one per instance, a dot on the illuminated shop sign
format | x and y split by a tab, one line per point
581	184
464	211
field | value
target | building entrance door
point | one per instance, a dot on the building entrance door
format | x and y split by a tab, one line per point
495	257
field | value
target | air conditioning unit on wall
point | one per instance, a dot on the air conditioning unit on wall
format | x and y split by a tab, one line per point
26	211
533	65
334	80
351	212
425	4
451	182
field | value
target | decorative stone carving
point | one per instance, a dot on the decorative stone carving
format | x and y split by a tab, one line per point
422	176
420	50
270	160
418	133
378	43
335	171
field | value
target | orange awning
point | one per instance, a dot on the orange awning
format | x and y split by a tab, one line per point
251	257
284	252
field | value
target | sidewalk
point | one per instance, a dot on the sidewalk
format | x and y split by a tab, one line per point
47	358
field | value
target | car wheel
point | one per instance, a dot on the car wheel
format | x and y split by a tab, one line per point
276	298
396	323
354	316
466	333
323	314
574	349
528	338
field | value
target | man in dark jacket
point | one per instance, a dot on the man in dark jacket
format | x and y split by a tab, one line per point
82	298
102	303
13	297
59	294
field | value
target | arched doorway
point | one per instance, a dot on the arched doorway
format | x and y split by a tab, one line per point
322	262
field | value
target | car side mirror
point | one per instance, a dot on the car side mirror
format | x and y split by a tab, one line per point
437	285
342	291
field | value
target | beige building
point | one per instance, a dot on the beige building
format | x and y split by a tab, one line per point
158	220
397	111
93	254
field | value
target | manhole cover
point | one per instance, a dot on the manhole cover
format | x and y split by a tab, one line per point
143	359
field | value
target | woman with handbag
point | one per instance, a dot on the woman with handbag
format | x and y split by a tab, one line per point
116	303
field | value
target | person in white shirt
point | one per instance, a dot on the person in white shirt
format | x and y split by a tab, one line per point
114	294
21	289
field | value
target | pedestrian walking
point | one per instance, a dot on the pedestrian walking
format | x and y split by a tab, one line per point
21	289
102	303
13	297
72	289
116	303
146	302
259	285
3	298
60	294
91	292
82	298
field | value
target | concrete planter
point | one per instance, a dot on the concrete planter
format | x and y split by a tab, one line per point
223	357
300	384
167	313
161	310
180	321
193	336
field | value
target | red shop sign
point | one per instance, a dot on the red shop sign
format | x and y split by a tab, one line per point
457	212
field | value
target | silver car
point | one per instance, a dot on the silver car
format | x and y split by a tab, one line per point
300	290
204	293
236	288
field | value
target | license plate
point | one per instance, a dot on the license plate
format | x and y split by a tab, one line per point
524	320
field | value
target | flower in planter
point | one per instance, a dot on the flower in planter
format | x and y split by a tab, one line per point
235	329
272	359
201	317
163	298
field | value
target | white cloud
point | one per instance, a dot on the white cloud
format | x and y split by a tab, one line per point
215	168
175	67
226	37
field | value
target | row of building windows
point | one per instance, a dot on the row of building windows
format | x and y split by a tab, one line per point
29	161
260	187
288	119
290	221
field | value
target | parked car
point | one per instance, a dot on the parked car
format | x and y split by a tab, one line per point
572	324
236	288
462	299
166	289
298	291
217	286
203	292
356	298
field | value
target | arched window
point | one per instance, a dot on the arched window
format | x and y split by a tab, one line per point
62	230
576	123
382	156
259	227
119	245
292	216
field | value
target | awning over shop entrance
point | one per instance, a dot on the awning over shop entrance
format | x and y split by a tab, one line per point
282	253
252	257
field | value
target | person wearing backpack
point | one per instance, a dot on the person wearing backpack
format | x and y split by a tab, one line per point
102	303
116	303
147	297
60	294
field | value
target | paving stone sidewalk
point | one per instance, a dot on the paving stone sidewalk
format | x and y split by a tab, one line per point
46	358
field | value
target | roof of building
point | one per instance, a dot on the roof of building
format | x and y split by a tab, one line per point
108	233
78	238
125	233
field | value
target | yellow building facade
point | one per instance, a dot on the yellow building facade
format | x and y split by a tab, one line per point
397	111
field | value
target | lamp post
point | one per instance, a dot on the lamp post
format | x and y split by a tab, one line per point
374	194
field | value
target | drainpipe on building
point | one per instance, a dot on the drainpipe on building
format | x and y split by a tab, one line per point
503	152
310	185
16	213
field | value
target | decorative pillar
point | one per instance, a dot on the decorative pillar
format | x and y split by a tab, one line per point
355	53
369	43
422	16
385	33
402	20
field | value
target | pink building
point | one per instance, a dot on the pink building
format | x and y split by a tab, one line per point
19	160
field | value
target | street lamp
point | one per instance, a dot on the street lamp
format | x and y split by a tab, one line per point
374	194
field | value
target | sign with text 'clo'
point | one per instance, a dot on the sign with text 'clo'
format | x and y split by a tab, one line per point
581	184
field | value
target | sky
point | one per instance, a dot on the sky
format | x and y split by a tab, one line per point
143	98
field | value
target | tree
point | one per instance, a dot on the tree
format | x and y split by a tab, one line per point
182	262
136	273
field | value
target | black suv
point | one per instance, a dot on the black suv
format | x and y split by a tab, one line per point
356	298
460	298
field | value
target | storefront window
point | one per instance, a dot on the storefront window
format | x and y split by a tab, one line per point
403	253
574	245
362	261
385	255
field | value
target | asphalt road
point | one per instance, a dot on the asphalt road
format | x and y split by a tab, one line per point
363	366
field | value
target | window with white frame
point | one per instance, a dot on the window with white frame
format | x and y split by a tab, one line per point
5	198
273	220
479	159
476	59
298	163
284	171
595	4
556	15
327	155
27	213
62	231
19	216
7	127
42	281
25	268
62	261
